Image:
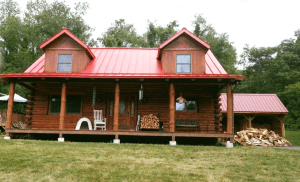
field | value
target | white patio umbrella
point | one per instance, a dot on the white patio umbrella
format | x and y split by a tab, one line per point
17	98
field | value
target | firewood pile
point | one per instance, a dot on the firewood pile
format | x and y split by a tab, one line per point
149	122
261	125
260	137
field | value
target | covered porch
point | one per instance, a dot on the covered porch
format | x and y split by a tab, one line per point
121	104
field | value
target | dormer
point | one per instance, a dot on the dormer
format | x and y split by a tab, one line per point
183	53
65	53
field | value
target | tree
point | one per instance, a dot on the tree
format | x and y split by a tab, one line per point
22	33
291	98
220	44
43	20
121	34
156	35
275	70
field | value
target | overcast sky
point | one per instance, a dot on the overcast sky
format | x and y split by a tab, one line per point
259	23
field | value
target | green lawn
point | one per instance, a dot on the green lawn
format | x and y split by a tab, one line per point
293	137
30	160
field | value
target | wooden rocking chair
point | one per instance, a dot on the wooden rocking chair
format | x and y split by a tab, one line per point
99	121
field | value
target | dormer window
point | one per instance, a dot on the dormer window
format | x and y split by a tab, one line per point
64	63
183	63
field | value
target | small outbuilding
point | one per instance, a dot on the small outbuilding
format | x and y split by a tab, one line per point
257	111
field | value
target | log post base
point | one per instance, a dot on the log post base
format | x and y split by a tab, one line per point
229	144
172	143
61	139
6	138
117	141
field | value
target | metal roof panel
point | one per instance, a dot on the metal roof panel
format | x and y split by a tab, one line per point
258	103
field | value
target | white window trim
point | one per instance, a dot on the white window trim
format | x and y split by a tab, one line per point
71	64
190	65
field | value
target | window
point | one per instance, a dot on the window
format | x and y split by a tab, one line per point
73	105
190	105
111	107
64	63
132	108
183	63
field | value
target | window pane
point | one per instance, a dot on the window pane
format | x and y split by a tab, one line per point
64	63
187	106
183	68
122	106
73	105
184	59
64	68
191	105
111	107
55	104
65	58
132	108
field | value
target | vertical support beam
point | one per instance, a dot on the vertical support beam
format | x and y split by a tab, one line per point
10	105
229	108
282	126
63	106
116	108
172	108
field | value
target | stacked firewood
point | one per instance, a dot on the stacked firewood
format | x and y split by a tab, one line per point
261	125
149	122
260	137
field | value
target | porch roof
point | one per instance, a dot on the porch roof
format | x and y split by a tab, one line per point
127	63
254	103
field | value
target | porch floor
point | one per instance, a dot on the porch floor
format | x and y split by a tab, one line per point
125	133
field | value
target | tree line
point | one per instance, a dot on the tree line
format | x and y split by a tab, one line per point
268	70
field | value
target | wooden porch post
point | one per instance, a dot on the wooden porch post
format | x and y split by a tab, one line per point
116	108
229	108
10	105
281	121
172	108
282	126
63	106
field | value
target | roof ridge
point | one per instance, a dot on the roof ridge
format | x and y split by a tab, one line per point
145	48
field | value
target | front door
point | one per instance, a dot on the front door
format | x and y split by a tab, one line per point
124	112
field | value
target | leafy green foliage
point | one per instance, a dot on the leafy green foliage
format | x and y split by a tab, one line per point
22	33
121	34
156	34
275	70
291	96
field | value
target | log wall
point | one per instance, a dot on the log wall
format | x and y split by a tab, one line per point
156	102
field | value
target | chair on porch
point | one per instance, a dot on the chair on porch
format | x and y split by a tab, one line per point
99	121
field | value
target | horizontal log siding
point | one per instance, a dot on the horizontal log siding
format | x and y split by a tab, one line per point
204	113
42	119
156	102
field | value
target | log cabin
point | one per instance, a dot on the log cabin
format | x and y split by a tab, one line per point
179	84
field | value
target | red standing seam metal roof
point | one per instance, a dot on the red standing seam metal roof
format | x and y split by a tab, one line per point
126	63
66	31
256	103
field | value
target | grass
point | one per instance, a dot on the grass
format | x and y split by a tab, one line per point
33	160
293	137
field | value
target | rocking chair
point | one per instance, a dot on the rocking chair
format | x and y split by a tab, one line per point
99	121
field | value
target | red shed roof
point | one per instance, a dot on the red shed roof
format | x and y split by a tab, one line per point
66	31
254	103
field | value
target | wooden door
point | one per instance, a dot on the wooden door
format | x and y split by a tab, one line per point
124	112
